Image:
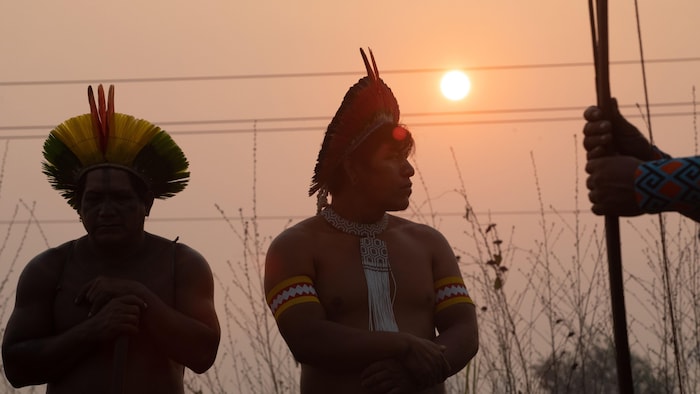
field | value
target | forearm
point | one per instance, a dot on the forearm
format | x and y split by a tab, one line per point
330	345
455	319
458	331
39	361
669	185
180	337
460	346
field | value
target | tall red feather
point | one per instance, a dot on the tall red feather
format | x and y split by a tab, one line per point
109	118
94	114
103	115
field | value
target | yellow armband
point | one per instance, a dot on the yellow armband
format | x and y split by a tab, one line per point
449	291
293	291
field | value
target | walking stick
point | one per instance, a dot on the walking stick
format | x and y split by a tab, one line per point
599	29
121	349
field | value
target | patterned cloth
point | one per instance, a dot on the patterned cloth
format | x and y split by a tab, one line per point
375	262
668	185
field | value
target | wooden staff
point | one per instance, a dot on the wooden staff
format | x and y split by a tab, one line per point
599	29
121	350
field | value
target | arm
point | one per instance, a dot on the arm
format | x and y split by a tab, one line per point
669	185
456	323
313	339
628	176
625	186
33	353
454	318
187	333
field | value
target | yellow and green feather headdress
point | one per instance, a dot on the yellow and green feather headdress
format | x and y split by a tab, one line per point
105	138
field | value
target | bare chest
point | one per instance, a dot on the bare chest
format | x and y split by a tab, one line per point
341	281
155	271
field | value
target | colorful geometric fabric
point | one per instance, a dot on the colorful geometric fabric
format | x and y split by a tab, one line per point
668	185
449	291
293	291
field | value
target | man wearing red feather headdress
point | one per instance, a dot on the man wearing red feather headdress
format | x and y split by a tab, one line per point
118	310
369	302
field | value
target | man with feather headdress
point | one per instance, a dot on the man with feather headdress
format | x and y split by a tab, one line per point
358	294
118	310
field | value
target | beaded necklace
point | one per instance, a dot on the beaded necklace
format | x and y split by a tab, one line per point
375	262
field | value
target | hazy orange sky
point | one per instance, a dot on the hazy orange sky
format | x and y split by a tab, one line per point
306	56
211	71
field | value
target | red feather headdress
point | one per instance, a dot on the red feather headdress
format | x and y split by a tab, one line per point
368	105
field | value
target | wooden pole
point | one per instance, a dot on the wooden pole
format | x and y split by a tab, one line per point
612	223
121	350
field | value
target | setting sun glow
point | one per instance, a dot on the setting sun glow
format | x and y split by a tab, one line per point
455	85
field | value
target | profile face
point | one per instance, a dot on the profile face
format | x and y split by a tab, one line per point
112	211
386	177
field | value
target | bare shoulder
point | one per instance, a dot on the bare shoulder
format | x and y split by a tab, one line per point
41	275
291	253
189	261
301	233
47	264
182	250
425	237
189	254
420	231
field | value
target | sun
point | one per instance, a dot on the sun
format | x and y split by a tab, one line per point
455	85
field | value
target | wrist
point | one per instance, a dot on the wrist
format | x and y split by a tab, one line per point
405	347
657	154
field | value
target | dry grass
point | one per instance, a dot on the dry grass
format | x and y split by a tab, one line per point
545	304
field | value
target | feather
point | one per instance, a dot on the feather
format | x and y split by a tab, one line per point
94	112
102	111
106	137
374	65
78	135
367	66
129	136
108	120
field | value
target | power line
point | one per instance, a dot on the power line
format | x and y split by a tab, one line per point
329	74
300	217
322	127
307	128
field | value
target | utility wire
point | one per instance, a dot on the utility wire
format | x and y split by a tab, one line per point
314	128
299	217
329	74
327	118
322	127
